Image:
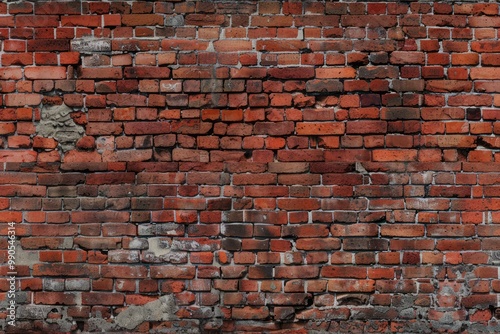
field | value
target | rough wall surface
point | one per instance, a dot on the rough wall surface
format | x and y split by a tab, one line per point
251	166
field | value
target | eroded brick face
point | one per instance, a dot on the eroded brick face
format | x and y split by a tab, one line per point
257	166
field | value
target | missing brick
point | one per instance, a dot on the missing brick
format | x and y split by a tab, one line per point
57	122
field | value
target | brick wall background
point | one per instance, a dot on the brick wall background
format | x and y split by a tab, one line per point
251	166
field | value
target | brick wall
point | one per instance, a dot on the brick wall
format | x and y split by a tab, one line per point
253	166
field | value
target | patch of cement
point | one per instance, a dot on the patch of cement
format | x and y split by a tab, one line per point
100	325
162	309
91	45
63	325
56	122
26	257
33	312
159	246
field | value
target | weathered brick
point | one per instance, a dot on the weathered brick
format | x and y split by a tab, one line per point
305	147
232	45
71	8
20	100
49	45
408	85
292	73
142	19
81	20
7	73
373	20
274	21
46	72
100	73
184	45
351	285
335	73
323	86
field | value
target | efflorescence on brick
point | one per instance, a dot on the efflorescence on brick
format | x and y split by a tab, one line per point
251	166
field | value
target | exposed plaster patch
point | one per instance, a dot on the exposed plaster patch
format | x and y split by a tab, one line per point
162	309
41	312
27	257
100	325
56	123
33	312
159	246
90	45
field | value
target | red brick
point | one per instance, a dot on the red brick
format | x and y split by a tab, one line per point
250	313
335	73
372	20
297	272
409	231
20	100
45	72
17	59
81	21
301	204
309	244
184	45
176	272
142	19
37	20
55	298
404	57
395	155
232	45
7	73
444	20
134	44
100	73
115	271
71	8
102	298
274	21
146	72
351	285
143	128
366	127
319	128
448	86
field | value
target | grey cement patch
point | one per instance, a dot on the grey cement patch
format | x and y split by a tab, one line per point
33	312
26	257
56	122
162	309
90	45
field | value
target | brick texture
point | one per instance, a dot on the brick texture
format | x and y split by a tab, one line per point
251	167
